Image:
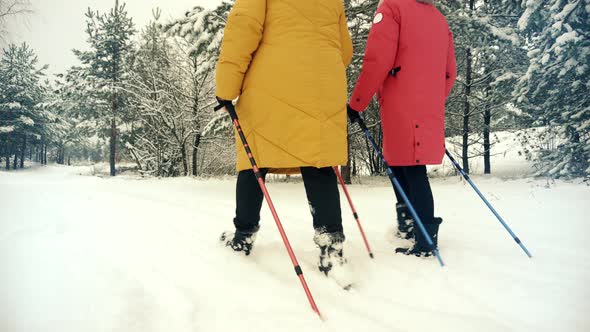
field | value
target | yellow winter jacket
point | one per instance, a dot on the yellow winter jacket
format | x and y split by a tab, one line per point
286	61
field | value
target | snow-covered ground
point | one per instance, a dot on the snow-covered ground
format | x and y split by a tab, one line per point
83	253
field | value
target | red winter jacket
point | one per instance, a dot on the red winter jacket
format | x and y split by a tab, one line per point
410	63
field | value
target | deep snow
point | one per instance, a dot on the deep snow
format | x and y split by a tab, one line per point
82	253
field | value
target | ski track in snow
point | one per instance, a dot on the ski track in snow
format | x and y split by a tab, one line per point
81	253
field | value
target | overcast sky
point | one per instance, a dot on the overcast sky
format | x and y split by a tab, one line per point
57	26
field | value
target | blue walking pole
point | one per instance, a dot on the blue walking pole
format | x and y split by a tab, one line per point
397	185
466	177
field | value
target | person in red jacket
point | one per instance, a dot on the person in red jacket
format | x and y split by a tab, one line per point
410	64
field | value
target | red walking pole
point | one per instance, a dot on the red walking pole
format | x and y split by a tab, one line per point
355	215
234	116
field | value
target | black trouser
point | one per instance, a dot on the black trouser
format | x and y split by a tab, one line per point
322	194
414	182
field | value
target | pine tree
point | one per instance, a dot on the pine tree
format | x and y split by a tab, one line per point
20	94
65	129
107	67
72	104
555	90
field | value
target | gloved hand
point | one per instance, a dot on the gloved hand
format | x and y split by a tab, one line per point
222	103
353	115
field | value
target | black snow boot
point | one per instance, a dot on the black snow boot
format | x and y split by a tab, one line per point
332	262
421	247
405	222
240	241
331	245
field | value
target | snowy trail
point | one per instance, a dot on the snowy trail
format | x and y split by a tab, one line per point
81	253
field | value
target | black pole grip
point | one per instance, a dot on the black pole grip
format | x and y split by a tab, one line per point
231	109
362	124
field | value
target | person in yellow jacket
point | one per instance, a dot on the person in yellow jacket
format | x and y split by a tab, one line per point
285	61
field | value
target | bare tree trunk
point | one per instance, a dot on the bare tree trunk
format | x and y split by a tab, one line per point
159	159
346	173
375	163
196	152
62	155
31	152
345	170
113	144
372	169
486	141
466	111
7	153
69	160
15	161
467	104
114	103
23	151
381	167
44	154
184	159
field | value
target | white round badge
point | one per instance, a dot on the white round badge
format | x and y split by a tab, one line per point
378	18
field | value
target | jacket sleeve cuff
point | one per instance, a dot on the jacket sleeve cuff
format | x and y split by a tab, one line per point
359	103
